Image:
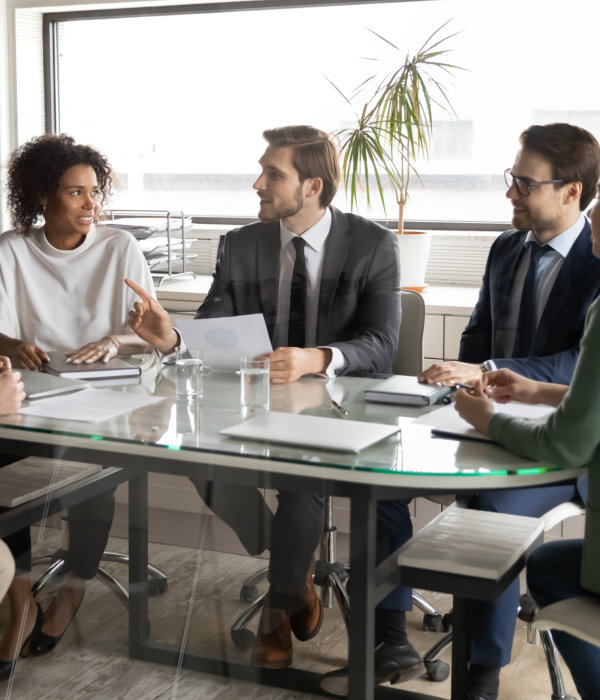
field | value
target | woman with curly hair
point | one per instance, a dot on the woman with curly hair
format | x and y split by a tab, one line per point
61	289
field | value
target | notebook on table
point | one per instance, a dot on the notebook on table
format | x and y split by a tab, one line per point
115	367
405	390
311	431
39	385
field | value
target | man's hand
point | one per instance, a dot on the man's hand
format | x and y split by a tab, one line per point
475	407
29	356
289	364
449	373
150	321
12	392
102	349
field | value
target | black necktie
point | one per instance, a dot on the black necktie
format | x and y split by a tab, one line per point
297	317
526	323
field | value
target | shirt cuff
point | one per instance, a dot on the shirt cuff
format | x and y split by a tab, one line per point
337	364
168	358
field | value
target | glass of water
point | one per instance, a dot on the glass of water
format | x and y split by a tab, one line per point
254	384
189	365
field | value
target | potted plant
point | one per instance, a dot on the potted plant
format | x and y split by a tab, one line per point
394	128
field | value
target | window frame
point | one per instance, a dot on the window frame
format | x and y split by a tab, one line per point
51	21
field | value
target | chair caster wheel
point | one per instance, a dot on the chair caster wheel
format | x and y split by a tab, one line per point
243	639
437	670
447	622
248	594
433	623
157	586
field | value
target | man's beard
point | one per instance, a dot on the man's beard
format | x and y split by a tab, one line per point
285	210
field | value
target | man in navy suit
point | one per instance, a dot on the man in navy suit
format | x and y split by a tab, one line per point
346	320
539	281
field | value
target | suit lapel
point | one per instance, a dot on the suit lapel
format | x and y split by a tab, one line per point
336	251
269	245
503	286
573	270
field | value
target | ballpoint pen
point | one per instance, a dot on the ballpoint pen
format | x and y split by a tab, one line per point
340	409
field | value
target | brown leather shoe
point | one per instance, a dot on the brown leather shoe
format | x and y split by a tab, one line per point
273	643
306	623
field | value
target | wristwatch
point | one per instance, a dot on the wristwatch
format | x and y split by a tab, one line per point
485	367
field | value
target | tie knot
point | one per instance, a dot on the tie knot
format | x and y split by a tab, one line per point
537	250
298	243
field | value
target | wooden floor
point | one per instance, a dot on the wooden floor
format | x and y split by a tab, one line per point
91	661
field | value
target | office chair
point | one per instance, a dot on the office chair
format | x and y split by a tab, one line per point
330	574
578	616
568	614
56	564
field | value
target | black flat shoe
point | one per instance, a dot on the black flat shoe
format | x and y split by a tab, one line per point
7	667
395	664
42	643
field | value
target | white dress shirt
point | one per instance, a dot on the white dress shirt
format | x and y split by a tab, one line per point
547	271
314	254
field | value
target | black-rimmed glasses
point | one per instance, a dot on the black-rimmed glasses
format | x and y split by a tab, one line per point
524	185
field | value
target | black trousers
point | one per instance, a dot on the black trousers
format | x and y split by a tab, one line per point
292	533
89	526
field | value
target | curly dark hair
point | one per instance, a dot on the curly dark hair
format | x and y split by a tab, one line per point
35	169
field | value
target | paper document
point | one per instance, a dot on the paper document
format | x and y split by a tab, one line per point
311	431
89	405
225	340
446	421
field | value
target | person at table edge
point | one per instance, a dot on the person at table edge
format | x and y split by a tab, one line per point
553	179
350	324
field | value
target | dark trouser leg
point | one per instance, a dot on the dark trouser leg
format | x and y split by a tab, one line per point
89	526
553	574
394	528
297	528
19	544
491	626
243	508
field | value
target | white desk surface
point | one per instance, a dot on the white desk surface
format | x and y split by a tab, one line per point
186	294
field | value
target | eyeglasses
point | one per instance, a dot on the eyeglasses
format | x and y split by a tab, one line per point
523	185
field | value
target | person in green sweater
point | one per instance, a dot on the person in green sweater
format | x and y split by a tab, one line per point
570	437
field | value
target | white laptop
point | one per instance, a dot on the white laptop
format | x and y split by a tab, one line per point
39	385
311	431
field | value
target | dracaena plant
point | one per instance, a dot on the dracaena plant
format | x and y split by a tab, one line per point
394	126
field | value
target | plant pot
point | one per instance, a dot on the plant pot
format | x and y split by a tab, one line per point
414	253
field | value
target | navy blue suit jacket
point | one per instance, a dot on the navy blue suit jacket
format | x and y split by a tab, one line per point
359	297
556	343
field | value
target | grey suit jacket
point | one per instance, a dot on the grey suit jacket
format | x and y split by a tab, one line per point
359	299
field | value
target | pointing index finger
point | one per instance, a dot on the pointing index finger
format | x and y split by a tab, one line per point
140	291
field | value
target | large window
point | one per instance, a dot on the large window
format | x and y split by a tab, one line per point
178	102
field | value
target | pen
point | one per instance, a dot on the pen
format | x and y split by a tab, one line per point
339	408
458	385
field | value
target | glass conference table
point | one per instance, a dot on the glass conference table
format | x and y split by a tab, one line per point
179	437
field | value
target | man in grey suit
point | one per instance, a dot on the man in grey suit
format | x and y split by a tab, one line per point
328	286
